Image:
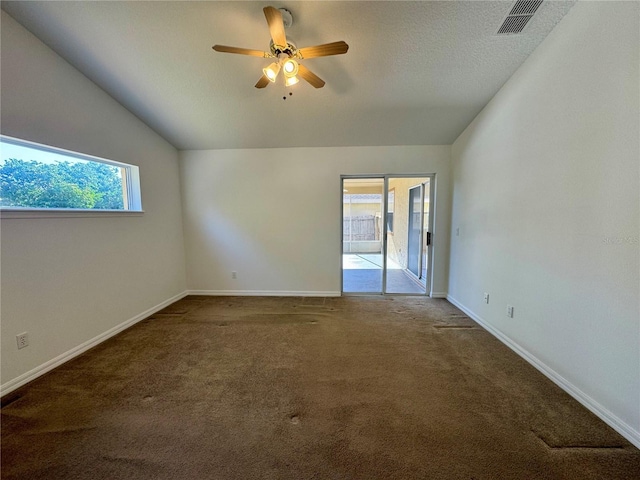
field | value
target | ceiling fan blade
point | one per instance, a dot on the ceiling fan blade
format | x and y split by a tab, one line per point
241	51
263	82
310	77
335	48
276	25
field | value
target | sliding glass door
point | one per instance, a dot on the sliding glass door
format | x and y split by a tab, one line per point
386	234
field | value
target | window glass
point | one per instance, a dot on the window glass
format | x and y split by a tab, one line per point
37	176
391	206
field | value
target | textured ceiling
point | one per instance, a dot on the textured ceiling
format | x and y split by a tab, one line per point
416	73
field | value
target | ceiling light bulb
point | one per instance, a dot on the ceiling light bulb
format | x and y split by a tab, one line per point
271	72
291	81
290	67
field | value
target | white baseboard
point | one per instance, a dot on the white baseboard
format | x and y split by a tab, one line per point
263	293
74	352
279	293
623	428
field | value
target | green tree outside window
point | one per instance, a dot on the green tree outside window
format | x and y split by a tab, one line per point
87	185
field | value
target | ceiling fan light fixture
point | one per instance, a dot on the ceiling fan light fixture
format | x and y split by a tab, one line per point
290	67
289	81
271	72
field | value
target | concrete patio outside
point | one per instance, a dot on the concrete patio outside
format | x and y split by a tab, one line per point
362	273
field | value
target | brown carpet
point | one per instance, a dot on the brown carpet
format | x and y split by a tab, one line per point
305	388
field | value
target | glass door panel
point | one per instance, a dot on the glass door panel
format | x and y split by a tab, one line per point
404	242
362	235
414	245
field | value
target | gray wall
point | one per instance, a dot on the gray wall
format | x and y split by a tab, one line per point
545	186
67	281
274	215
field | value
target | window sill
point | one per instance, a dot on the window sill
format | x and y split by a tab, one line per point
7	213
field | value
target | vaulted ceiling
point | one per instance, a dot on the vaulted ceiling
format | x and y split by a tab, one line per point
416	73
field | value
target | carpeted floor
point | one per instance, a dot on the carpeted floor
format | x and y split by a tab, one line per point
305	388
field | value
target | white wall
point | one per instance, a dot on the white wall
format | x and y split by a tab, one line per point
274	215
546	199
69	280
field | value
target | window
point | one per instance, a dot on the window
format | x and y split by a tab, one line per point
391	201
34	176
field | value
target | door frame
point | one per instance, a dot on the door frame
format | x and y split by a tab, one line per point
430	229
385	195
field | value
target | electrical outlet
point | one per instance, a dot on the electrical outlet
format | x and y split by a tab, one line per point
23	340
509	311
486	297
234	275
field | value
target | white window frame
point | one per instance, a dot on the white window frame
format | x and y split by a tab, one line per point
131	188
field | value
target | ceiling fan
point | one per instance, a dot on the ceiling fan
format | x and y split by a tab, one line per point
285	54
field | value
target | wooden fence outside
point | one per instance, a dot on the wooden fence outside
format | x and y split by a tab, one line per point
360	228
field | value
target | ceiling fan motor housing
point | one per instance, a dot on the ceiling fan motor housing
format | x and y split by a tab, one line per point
287	18
290	49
